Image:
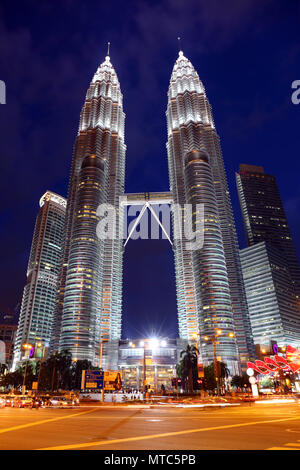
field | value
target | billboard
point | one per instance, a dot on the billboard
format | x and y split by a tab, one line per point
112	380
275	363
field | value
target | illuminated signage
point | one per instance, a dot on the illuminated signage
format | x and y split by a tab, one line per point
272	365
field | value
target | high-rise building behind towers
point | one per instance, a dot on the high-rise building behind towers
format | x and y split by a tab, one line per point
272	303
36	316
88	309
264	216
210	290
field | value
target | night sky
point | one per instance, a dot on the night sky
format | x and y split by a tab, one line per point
247	54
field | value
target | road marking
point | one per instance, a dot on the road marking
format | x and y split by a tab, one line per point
36	423
167	434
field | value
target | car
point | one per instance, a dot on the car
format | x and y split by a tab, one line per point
44	399
60	401
2	402
22	401
296	396
7	399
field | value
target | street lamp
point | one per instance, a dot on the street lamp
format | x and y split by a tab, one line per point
213	339
153	343
27	347
195	337
40	345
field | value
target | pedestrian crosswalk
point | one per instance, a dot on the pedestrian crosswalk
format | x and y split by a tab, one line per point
287	446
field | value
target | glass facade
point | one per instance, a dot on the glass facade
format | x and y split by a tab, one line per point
128	357
8	335
270	295
191	129
89	301
38	302
264	216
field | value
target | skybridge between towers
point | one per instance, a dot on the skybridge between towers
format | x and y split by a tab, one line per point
147	200
140	199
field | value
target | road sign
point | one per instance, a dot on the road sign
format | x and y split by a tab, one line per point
200	370
92	379
34	386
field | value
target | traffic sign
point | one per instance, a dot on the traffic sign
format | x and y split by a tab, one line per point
200	370
92	379
34	386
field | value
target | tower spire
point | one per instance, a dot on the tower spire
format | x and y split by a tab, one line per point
108	46
179	46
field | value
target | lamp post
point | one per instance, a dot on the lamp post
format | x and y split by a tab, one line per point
195	337
40	345
101	354
213	339
153	343
27	347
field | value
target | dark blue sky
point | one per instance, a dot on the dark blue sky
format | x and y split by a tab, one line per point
247	54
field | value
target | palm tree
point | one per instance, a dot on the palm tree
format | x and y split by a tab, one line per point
236	381
224	374
189	361
77	369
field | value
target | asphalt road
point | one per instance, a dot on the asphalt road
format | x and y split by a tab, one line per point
245	427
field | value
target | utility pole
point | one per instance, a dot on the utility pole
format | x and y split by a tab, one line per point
216	370
144	373
213	339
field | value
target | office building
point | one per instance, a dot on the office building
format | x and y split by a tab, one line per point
210	291
264	215
272	303
88	309
38	302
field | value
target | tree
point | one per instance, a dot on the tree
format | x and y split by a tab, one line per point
240	381
12	379
189	362
60	363
77	369
3	368
236	381
182	372
224	373
209	374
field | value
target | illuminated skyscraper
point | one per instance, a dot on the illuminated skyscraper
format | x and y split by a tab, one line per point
272	303
39	294
89	300
210	290
264	216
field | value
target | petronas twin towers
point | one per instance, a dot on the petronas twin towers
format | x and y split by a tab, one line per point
210	291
